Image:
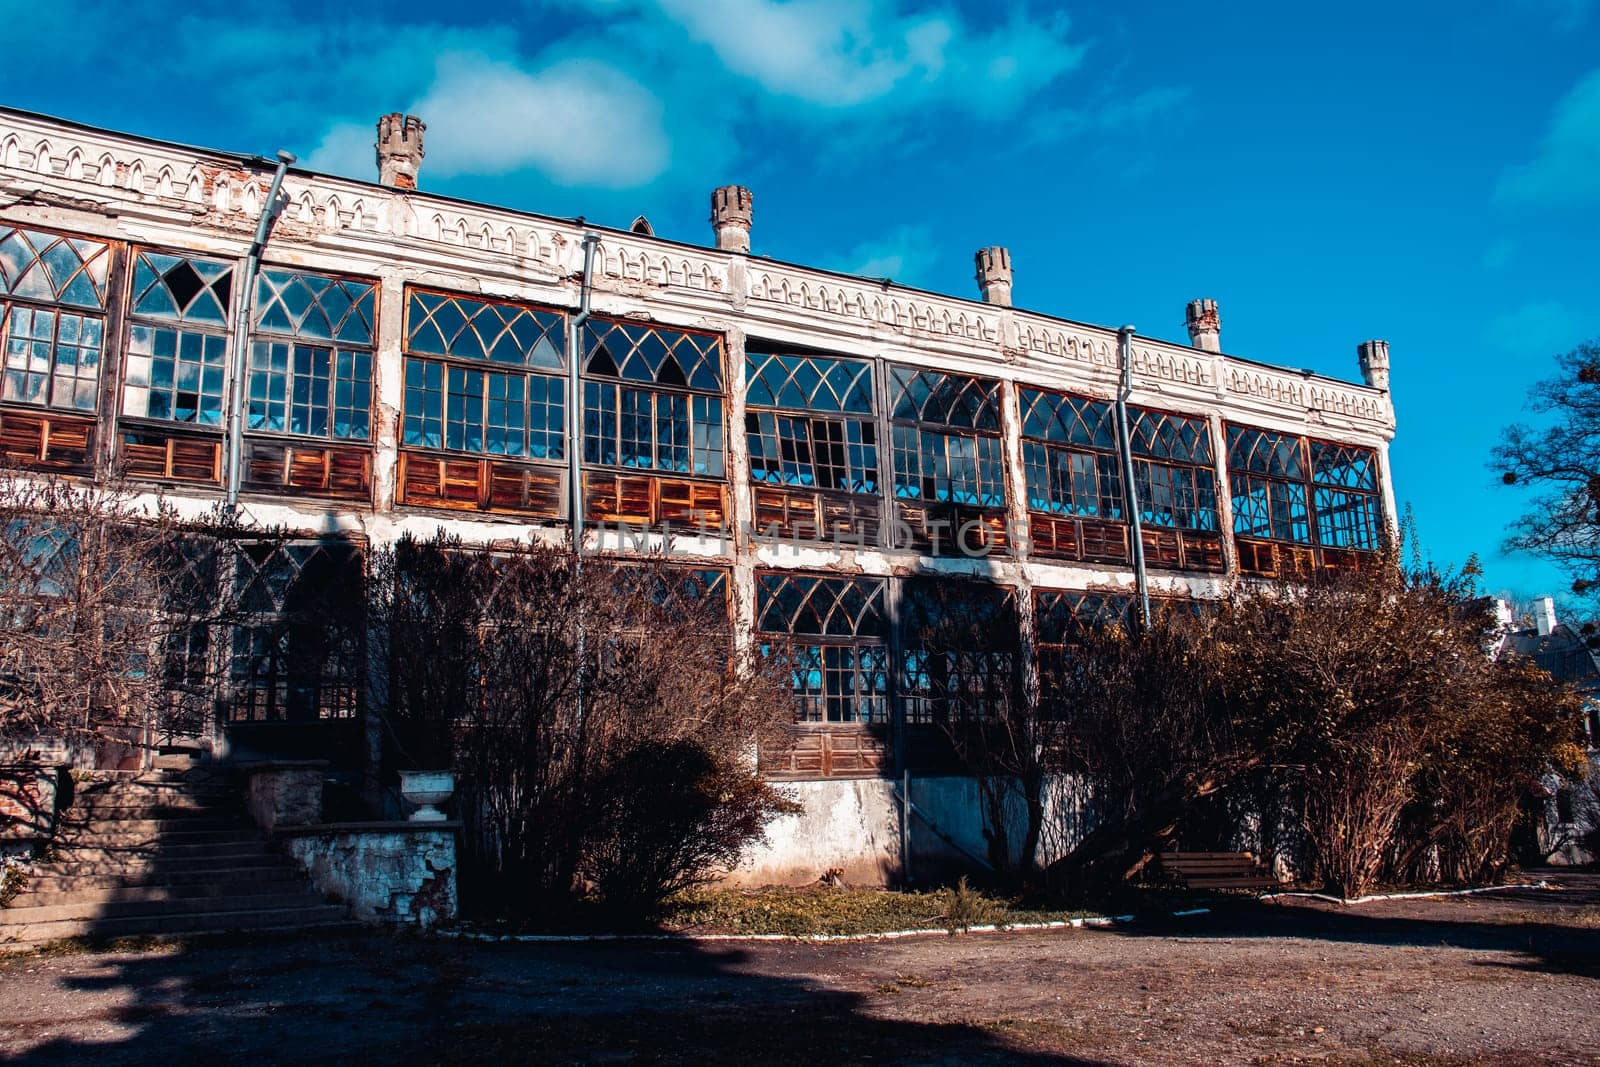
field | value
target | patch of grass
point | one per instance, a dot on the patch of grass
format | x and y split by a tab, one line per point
799	911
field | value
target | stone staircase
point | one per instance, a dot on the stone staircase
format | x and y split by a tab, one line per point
160	853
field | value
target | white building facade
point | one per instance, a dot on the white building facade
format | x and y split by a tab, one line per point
828	448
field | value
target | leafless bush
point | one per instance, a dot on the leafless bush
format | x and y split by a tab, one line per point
109	605
539	682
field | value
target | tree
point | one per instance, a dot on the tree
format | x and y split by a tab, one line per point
559	694
1353	695
1560	461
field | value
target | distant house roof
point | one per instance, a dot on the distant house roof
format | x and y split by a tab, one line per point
1563	652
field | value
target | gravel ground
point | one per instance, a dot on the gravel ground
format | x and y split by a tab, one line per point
1504	978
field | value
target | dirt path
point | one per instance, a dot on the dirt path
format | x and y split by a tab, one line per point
1512	978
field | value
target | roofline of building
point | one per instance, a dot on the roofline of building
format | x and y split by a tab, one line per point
888	284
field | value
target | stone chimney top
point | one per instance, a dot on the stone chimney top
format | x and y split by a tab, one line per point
399	150
1374	356
731	214
1205	325
1544	614
994	275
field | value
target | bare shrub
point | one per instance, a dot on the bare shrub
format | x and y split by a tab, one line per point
536	680
667	815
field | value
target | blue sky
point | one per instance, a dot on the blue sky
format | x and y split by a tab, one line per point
1424	173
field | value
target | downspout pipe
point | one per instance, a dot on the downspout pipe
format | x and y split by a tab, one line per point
1130	489
575	398
241	328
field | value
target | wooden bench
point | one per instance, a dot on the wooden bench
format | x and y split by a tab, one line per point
1217	870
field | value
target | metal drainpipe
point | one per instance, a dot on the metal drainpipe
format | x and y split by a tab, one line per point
1130	489
574	444
241	329
575	399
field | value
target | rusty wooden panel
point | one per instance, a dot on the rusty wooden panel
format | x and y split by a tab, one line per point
830	750
47	441
479	485
308	469
1161	547
1346	559
653	501
172	456
1257	557
1051	536
1202	551
1103	542
350	471
817	516
1275	559
944	528
853	519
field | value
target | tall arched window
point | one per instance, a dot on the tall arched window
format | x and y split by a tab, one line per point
485	405
652	424
52	334
949	481
1299	503
813	439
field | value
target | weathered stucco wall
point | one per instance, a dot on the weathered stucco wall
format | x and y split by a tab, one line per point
854	826
400	873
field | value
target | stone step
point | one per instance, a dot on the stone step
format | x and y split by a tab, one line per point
201	878
213	922
25	912
197	824
144	789
112	835
75	891
146	849
144	809
150	870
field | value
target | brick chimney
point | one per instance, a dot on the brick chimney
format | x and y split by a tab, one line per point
994	275
399	150
1205	325
731	216
1374	356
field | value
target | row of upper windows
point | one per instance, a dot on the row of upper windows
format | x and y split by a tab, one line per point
484	376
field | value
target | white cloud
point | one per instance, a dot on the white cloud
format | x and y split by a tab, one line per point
1566	171
1537	328
842	54
579	122
905	254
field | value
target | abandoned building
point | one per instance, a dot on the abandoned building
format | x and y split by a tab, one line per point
374	360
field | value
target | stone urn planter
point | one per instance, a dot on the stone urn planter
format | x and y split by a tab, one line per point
427	790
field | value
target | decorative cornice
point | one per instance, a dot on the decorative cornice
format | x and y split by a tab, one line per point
50	163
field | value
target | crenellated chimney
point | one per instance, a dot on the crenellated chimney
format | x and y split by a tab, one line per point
994	275
1374	356
1544	615
1205	325
399	150
731	214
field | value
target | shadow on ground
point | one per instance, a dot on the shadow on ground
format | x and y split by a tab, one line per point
1555	931
376	998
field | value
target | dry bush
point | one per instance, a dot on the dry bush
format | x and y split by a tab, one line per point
541	684
110	604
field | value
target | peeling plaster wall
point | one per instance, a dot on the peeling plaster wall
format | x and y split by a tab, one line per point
854	825
387	873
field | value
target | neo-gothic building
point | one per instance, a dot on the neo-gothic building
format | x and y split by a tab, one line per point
828	448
